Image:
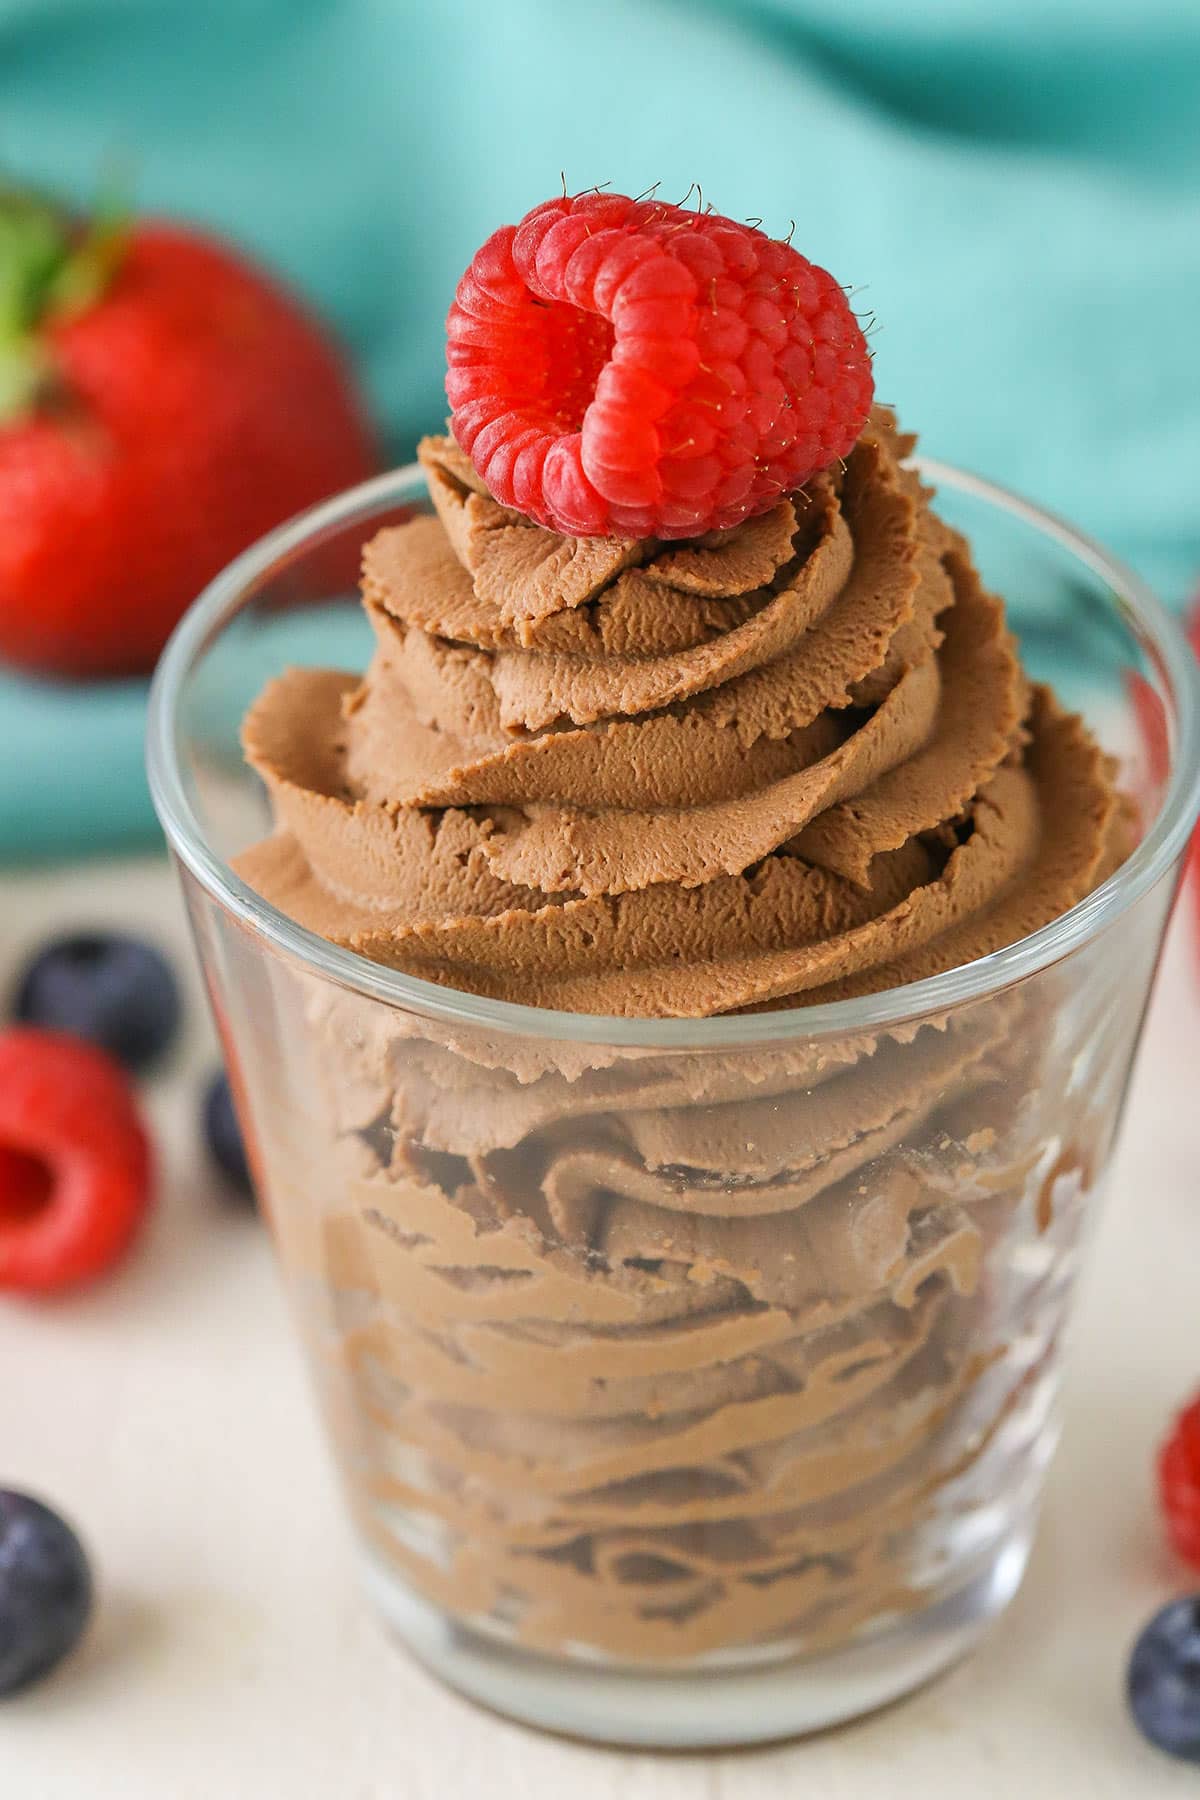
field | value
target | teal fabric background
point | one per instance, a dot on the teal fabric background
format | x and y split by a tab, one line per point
1012	185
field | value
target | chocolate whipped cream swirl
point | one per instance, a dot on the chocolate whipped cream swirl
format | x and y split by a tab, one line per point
654	1354
796	760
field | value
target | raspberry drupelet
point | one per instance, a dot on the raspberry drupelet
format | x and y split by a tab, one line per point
628	368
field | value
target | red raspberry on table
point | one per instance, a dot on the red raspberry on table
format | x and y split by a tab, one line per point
627	368
1179	1483
75	1165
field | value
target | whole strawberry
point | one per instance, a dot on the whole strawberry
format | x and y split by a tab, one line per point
162	404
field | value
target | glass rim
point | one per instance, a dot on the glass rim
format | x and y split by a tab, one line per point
220	601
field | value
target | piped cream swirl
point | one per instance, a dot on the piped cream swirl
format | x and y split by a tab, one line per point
790	760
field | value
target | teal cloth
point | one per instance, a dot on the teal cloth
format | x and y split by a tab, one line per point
1011	188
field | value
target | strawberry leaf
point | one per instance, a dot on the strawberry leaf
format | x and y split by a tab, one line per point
52	267
86	273
34	246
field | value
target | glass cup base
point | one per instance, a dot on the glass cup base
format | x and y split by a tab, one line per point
715	1707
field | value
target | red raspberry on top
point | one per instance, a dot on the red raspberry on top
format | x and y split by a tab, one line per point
627	368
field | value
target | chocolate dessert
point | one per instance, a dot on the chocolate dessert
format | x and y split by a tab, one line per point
633	1352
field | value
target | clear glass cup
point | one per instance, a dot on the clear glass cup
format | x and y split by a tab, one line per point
691	1382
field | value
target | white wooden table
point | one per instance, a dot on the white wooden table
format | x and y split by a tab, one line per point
232	1657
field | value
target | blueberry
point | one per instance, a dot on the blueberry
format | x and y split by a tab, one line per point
224	1135
111	989
45	1590
1164	1679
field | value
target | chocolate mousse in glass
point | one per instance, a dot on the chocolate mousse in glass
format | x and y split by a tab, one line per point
680	1006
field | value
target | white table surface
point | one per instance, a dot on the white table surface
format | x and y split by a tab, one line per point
232	1658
